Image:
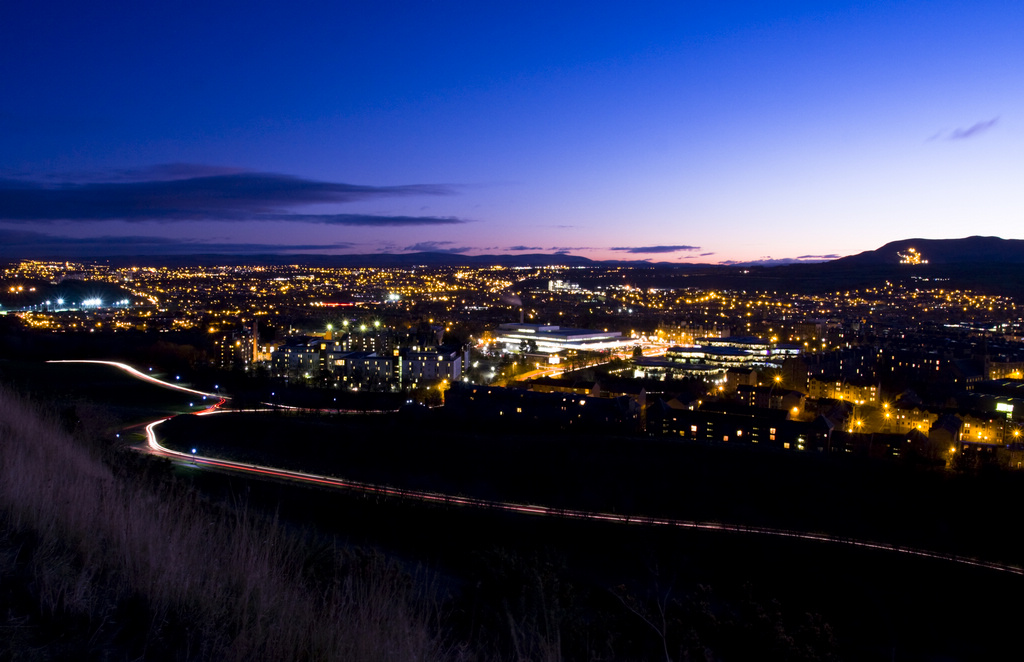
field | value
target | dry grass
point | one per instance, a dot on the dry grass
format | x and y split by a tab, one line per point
158	573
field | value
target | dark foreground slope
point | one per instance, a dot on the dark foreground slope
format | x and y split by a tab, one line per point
99	563
123	559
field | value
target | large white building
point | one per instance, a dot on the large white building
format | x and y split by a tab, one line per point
715	356
550	339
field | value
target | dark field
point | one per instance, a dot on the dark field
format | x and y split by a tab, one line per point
740	596
874	500
123	398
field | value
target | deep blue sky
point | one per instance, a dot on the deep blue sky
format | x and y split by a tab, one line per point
690	131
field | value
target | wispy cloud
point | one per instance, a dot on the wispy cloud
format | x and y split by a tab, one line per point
655	249
436	247
706	254
769	261
524	248
971	131
181	192
367	219
963	134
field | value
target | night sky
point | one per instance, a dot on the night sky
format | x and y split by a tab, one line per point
684	131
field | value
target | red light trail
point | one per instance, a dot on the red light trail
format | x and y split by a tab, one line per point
545	511
509	506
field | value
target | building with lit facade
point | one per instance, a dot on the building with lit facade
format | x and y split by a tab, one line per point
314	357
430	365
715	357
858	391
552	339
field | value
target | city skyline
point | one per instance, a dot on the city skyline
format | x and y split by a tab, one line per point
695	134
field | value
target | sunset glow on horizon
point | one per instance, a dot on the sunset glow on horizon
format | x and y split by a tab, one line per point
698	133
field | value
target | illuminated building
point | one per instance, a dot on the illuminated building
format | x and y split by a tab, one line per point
857	391
427	366
912	256
551	339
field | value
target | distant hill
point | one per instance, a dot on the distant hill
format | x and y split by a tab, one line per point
942	251
984	264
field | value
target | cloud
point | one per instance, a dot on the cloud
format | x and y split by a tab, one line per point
368	219
20	243
436	247
769	261
524	248
972	131
566	249
181	192
655	249
706	254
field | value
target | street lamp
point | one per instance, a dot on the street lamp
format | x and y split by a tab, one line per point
776	380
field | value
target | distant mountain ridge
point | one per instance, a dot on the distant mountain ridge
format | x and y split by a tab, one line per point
968	250
974	249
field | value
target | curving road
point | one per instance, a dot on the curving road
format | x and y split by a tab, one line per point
545	511
141	375
154	447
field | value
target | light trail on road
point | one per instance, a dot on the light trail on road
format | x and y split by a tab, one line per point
546	511
143	376
504	506
269	406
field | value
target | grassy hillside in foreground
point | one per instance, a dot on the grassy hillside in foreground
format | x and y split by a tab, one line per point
102	561
98	565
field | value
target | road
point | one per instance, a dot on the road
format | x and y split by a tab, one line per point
536	510
143	376
153	446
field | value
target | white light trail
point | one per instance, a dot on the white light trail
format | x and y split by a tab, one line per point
141	375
